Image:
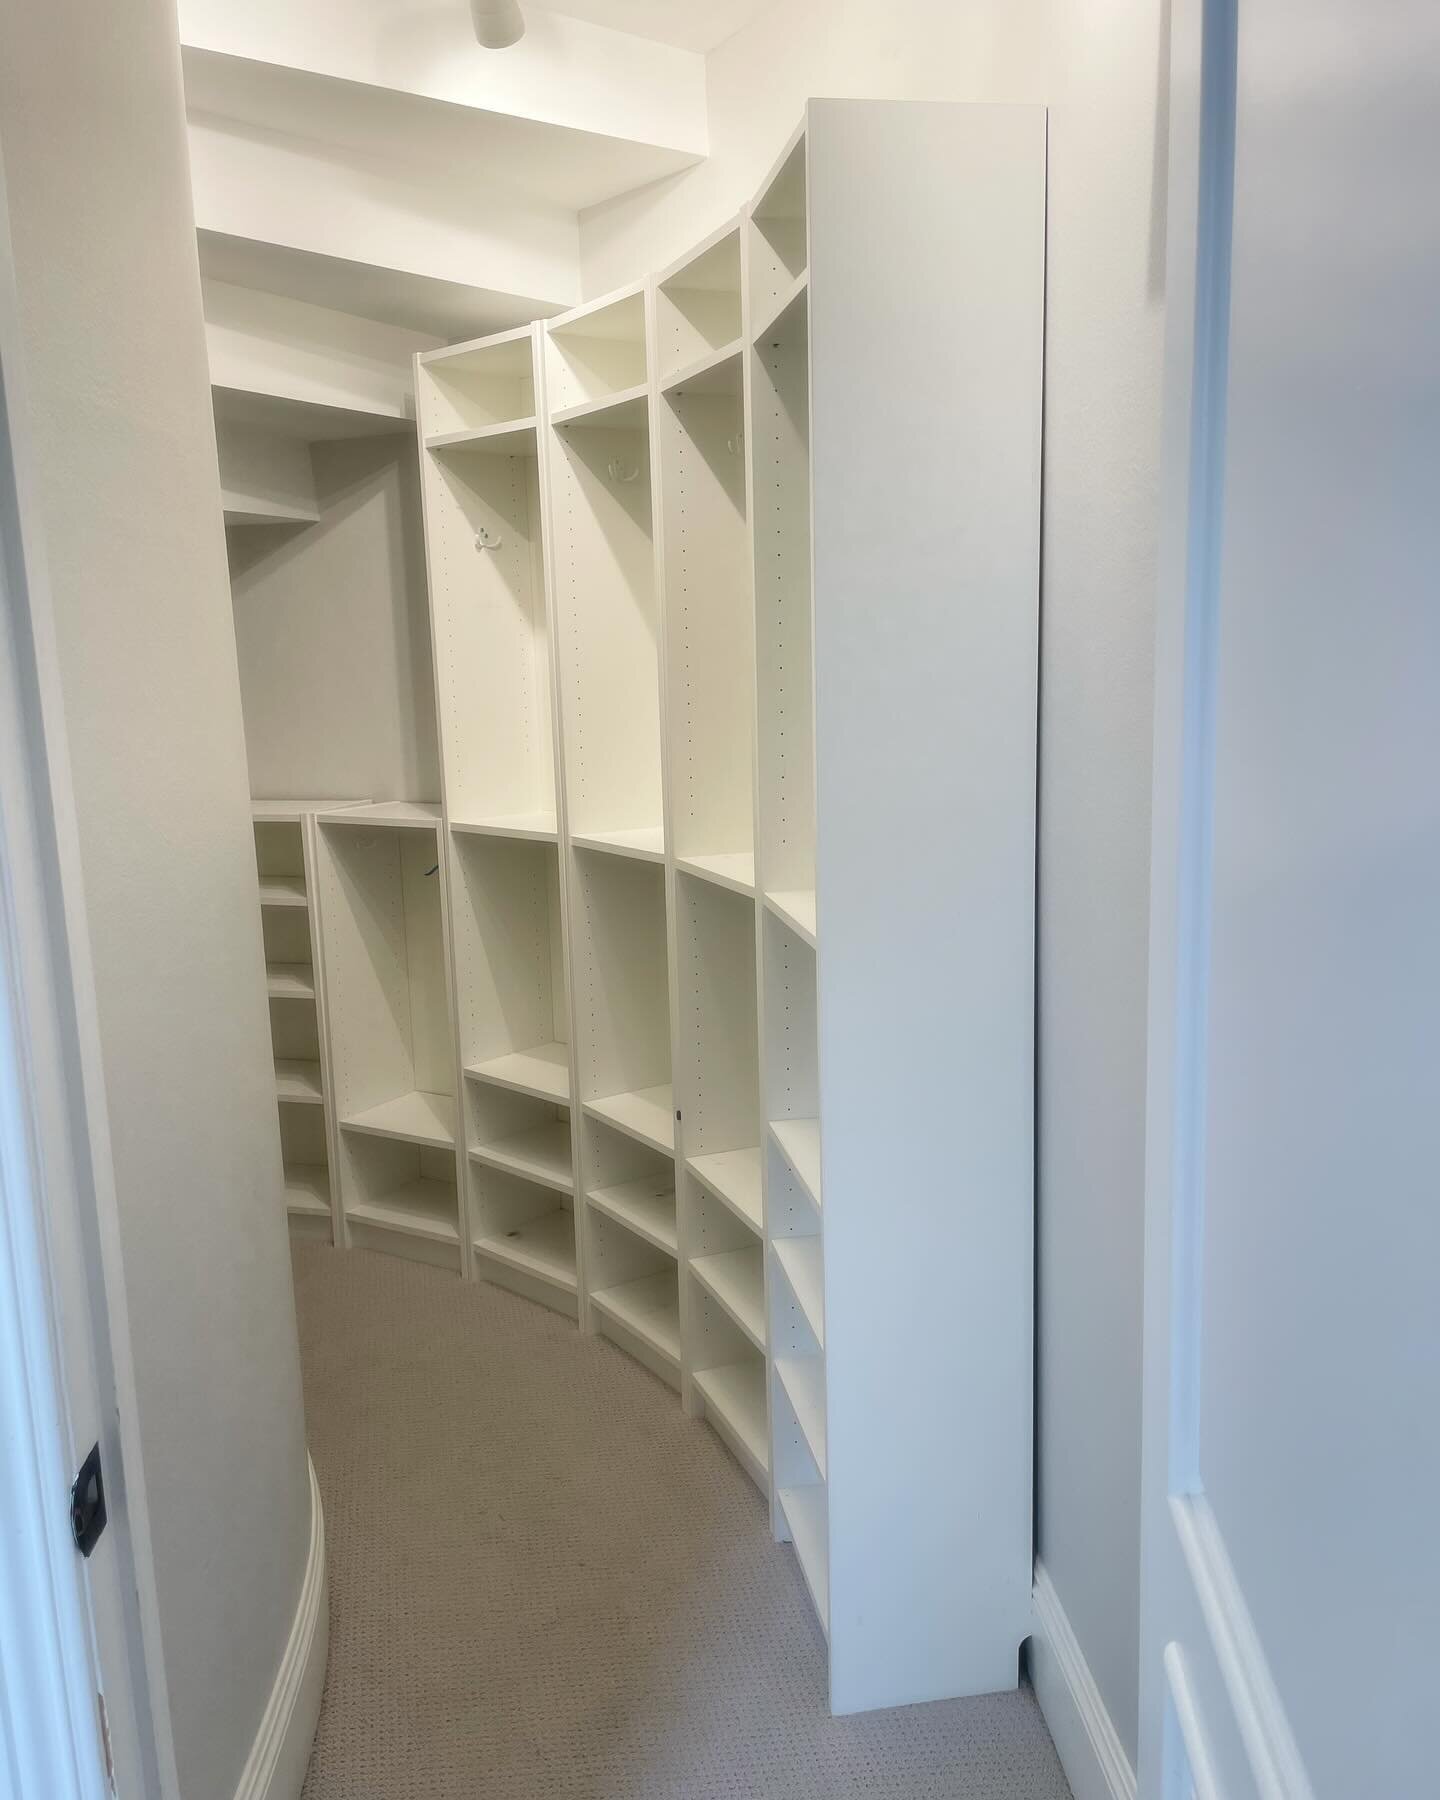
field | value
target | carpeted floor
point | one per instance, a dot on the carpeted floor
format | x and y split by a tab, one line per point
546	1583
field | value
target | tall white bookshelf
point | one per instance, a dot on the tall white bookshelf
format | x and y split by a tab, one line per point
700	1008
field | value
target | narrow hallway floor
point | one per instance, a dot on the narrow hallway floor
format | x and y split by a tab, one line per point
547	1583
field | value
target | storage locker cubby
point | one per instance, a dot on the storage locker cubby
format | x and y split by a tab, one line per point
634	1294
778	247
509	950
476	387
697	307
709	625
595	353
521	1135
632	1184
728	1261
400	1197
524	1237
622	1005
607	618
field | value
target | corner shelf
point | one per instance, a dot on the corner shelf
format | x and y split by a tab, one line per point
414	1118
542	1248
307	1190
795	908
537	828
645	1208
717	372
803	1379
290	981
734	1178
734	1397
542	1155
421	1208
648	1307
645	843
800	1259
543	1071
798	1141
647	1114
734	869
406	815
735	1279
283	890
297	1082
629	410
806	1512
511	437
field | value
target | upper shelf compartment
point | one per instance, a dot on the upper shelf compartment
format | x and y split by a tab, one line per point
480	396
697	312
778	240
596	353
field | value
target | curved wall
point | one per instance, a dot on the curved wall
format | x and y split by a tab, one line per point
93	144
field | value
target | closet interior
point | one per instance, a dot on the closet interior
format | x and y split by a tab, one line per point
669	959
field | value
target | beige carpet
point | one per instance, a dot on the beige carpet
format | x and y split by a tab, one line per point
546	1583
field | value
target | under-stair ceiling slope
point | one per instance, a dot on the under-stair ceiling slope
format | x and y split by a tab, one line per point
370	156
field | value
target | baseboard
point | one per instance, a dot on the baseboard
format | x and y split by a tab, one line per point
1086	1741
275	1768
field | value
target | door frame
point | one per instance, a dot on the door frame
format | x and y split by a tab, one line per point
80	1650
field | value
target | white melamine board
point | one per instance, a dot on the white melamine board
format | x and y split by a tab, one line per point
732	1176
698	304
806	1514
510	961
733	1395
778	240
803	1379
645	1207
283	890
926	541
607	620
265	479
419	1117
540	1153
622	1003
717	1077
709	621
298	1080
596	351
648	1306
471	386
646	1114
789	1023
736	1278
404	815
734	870
799	1143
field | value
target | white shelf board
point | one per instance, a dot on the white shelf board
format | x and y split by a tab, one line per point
311	421
421	1209
298	1081
645	843
307	1190
543	1247
736	1280
541	1155
291	812
536	827
795	907
290	981
800	1260
798	1141
717	372
808	1516
649	1307
803	1379
543	1071
254	510
734	1397
647	1114
784	314
735	869
413	1118
627	410
283	890
733	1177
410	815
513	437
645	1207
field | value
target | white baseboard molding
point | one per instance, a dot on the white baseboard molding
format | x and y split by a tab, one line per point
275	1768
1086	1741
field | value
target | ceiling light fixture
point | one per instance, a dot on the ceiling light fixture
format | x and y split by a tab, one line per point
498	23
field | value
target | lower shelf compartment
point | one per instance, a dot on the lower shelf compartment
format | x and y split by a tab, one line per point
800	1258
808	1516
542	1248
413	1118
733	1177
803	1379
541	1154
647	1114
736	1280
734	1397
422	1208
298	1082
645	1207
649	1309
307	1190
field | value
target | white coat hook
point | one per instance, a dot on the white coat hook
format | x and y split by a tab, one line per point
486	539
619	471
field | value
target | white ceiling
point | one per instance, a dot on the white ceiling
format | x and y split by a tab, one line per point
688	24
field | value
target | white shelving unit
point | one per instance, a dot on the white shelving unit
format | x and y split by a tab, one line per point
700	1009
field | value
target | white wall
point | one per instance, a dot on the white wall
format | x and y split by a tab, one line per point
333	628
1095	63
92	138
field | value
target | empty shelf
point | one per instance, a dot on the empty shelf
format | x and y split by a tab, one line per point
537	827
734	870
290	812
786	311
543	1071
807	1516
543	1247
541	1155
423	1209
298	1081
413	815
282	890
511	437
647	1115
256	509
290	981
415	1118
803	1379
798	1141
646	843
627	410
800	1259
795	907
736	1279
307	1190
645	1207
649	1307
733	1176
717	372
734	1397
